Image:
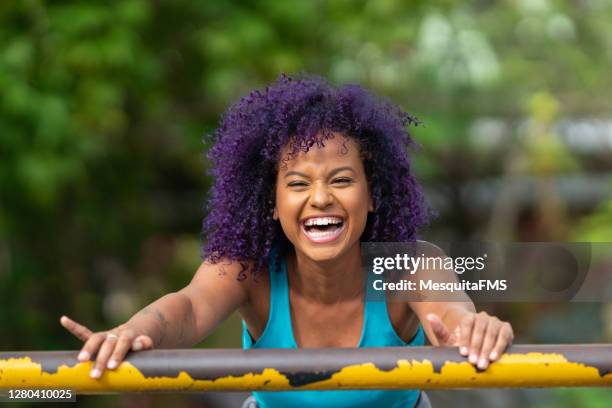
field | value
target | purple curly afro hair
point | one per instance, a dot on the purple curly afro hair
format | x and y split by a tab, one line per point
300	113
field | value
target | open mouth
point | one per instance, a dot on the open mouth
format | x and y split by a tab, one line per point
323	229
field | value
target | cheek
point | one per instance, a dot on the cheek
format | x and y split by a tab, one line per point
288	205
357	206
288	214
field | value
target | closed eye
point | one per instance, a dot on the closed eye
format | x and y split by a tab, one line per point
343	180
340	180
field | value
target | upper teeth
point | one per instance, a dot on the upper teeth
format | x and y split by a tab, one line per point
323	221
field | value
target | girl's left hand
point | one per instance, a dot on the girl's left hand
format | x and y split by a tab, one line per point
484	338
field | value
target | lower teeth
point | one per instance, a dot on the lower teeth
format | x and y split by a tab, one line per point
322	234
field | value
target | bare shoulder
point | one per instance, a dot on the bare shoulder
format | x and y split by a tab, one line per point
225	270
217	289
234	276
221	283
402	316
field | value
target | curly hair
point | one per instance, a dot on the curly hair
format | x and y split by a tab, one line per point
300	113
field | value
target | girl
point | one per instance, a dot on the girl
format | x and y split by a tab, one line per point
304	172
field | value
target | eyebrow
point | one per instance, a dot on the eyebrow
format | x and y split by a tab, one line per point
333	172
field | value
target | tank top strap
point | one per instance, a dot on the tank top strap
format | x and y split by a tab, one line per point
378	330
279	295
278	332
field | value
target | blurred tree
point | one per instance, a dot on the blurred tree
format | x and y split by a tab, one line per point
104	106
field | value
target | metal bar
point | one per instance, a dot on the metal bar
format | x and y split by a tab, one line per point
312	369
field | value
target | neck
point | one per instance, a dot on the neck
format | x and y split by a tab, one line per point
332	281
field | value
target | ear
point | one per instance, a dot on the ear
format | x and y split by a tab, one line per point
275	214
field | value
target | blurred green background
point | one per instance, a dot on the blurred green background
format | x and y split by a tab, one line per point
104	106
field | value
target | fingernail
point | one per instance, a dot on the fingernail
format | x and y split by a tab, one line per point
463	350
83	356
137	345
473	358
112	364
95	373
482	364
493	355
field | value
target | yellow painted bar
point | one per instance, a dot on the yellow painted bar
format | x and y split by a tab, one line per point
312	369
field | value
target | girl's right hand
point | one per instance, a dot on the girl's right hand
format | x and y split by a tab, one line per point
110	346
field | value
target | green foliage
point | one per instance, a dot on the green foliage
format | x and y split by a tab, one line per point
596	227
579	397
104	104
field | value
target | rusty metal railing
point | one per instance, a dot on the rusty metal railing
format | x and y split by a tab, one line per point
311	369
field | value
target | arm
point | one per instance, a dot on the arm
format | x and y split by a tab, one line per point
214	293
456	323
179	319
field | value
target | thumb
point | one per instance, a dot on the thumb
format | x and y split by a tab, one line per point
443	335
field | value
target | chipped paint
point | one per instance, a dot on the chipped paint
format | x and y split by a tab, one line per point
533	369
25	373
514	370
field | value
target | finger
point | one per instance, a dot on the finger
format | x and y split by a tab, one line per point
504	339
466	326
76	329
490	338
478	332
439	328
107	348
121	348
142	343
91	346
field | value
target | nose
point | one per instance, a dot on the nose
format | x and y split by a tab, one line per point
321	196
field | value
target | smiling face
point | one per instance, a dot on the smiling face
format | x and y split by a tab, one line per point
322	199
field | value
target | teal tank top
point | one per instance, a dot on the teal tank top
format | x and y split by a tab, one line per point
377	331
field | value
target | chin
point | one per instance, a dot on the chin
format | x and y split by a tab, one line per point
322	254
325	252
